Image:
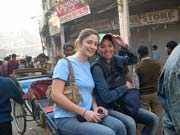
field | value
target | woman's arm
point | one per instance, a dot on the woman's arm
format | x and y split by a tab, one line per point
59	98
99	109
102	88
130	59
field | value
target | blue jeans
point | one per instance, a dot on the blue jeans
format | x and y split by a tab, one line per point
128	121
149	119
108	126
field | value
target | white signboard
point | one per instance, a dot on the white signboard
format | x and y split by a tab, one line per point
72	9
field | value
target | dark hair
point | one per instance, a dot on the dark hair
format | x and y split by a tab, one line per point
23	61
28	58
171	44
42	55
85	33
143	51
7	58
155	47
67	45
13	56
108	37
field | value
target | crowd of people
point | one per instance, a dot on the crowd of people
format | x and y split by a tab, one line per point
10	63
103	85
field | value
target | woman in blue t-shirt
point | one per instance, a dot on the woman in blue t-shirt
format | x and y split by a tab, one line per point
65	111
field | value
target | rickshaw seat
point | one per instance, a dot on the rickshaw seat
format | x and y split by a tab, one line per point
26	83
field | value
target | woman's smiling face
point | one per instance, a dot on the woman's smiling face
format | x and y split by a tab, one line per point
106	49
89	45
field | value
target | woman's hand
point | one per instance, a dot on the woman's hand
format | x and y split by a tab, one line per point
119	40
101	110
92	116
129	85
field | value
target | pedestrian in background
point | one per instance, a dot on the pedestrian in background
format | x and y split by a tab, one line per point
169	93
41	61
4	67
12	64
29	63
156	53
8	91
170	46
22	64
68	49
148	71
1	63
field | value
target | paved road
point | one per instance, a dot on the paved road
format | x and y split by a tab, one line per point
32	129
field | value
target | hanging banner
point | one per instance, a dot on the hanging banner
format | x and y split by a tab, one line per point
72	9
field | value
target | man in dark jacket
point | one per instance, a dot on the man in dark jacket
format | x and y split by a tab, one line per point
7	90
148	71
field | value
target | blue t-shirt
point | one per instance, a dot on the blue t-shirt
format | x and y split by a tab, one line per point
83	79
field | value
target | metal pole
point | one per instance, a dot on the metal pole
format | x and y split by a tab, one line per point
123	12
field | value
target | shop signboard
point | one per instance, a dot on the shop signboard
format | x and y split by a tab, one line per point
54	24
151	18
72	9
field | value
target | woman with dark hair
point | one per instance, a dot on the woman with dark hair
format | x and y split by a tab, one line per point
111	84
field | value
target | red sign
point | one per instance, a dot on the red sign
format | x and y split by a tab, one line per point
71	9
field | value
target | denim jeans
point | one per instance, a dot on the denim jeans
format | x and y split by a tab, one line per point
168	125
151	102
128	121
108	126
149	119
169	93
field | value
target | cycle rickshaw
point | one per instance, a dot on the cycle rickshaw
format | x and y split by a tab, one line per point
33	83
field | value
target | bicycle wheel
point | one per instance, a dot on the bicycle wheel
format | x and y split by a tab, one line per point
19	117
28	104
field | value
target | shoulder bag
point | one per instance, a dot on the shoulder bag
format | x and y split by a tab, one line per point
71	90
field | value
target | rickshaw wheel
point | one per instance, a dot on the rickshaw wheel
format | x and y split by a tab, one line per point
19	118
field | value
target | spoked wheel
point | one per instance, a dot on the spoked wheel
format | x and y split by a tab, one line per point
19	117
28	105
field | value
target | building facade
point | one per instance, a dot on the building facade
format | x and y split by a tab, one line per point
151	22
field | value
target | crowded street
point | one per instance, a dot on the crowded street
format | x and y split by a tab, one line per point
90	67
32	129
